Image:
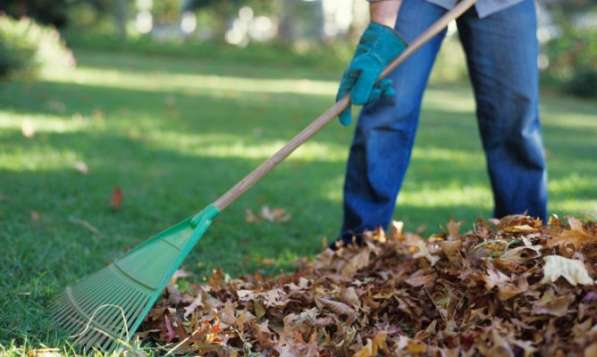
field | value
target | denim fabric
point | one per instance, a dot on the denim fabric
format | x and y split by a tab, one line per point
501	52
484	7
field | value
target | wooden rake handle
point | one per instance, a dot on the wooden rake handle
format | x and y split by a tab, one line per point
251	179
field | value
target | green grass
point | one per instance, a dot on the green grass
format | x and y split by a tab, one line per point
176	133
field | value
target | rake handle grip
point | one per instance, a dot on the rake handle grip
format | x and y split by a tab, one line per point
251	179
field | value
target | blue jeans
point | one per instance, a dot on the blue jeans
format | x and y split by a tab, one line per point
501	52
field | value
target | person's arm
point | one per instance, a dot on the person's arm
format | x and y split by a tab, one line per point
385	12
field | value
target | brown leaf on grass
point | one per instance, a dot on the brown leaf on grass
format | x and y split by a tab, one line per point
35	216
251	217
116	198
454	229
274	214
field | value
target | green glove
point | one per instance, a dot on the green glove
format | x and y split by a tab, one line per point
378	46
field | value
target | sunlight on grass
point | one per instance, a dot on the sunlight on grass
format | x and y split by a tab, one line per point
568	120
235	146
570	184
38	158
213	84
586	209
42	123
427	196
449	100
453	194
447	154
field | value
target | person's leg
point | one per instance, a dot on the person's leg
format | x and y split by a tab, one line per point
385	132
502	52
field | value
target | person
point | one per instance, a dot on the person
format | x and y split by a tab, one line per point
501	47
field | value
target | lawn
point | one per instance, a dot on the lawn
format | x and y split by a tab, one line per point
174	134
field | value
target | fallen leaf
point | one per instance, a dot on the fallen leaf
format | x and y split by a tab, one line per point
337	307
116	199
169	333
374	346
81	167
28	129
35	216
591	350
356	262
251	217
454	229
576	236
274	214
83	223
552	304
572	270
495	278
196	303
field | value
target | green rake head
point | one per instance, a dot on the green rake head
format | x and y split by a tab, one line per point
105	309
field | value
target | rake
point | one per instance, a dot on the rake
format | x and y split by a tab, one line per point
104	309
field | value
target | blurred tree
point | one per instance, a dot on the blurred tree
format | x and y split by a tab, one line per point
49	12
120	16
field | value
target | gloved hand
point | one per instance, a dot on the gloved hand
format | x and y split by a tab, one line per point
379	45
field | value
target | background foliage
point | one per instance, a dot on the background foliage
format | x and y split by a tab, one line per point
27	47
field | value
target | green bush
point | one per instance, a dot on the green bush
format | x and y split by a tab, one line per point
27	47
572	62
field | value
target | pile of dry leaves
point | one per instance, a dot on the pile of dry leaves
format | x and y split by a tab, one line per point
508	288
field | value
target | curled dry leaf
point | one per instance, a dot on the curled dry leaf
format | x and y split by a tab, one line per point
572	270
576	236
269	214
274	214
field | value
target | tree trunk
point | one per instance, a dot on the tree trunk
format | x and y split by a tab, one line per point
286	30
120	16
